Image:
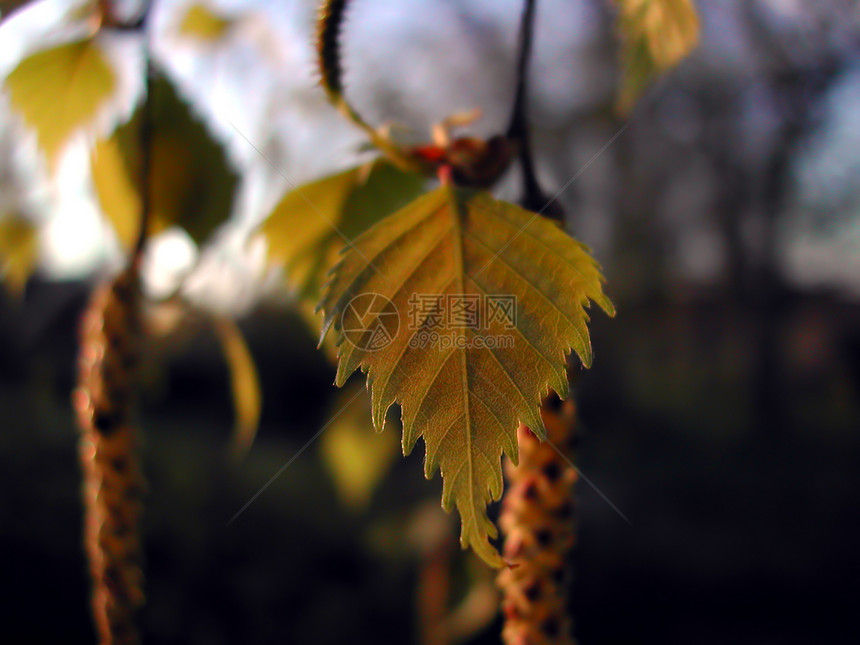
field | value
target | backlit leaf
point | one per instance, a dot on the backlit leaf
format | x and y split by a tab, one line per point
312	223
466	390
191	180
356	457
247	397
657	35
60	90
17	251
201	23
116	191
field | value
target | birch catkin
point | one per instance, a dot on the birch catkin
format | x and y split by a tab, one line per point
103	401
537	521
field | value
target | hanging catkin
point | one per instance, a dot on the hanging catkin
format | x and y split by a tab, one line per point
537	521
103	401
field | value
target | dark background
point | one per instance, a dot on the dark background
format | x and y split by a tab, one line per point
744	514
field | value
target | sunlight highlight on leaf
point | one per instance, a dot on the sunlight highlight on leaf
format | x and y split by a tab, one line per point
60	90
465	393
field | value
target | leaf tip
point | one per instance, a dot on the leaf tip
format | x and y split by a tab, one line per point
607	306
484	550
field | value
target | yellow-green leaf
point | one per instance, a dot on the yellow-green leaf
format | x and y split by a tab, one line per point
60	90
311	224
247	397
657	35
17	251
191	181
202	23
356	457
466	390
116	191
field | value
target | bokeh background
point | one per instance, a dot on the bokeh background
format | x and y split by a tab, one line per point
722	414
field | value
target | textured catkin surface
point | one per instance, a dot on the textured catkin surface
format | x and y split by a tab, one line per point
104	401
329	27
537	522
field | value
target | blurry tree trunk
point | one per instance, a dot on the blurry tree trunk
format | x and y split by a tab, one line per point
796	87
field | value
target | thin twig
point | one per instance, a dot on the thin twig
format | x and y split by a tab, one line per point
138	25
534	197
518	128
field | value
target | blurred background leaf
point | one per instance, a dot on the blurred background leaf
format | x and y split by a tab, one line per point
17	251
59	90
311	224
191	179
245	384
657	35
355	455
202	23
117	192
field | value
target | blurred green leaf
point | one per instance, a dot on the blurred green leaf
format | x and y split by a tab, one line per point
116	191
17	251
247	397
202	23
356	457
311	224
192	182
60	90
657	35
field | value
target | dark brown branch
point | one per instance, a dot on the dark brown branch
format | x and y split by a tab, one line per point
534	198
518	127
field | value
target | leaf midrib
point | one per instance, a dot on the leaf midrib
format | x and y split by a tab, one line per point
458	230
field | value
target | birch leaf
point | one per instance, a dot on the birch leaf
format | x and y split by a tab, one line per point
60	90
192	182
657	35
312	223
116	191
201	23
466	389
